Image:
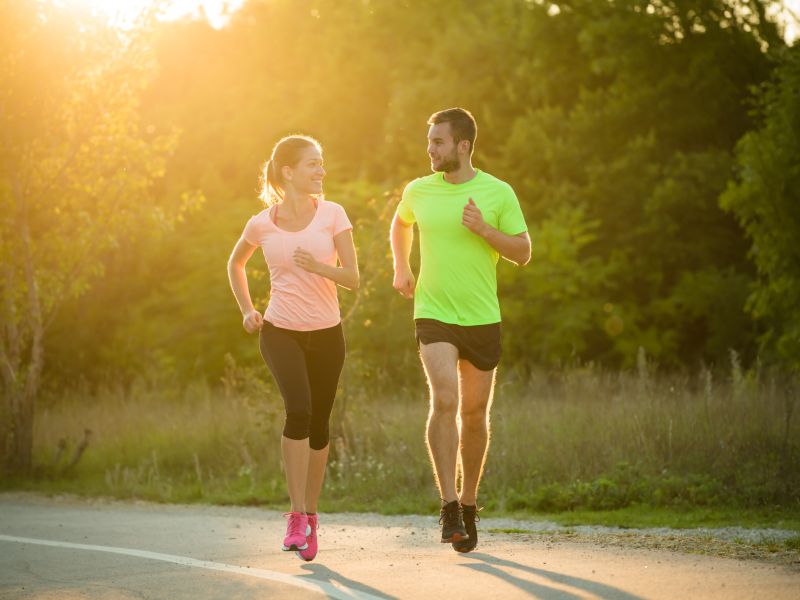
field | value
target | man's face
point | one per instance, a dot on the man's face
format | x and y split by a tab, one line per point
442	149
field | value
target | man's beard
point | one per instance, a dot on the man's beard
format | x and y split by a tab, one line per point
448	164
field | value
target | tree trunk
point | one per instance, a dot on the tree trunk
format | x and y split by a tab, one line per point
25	384
20	451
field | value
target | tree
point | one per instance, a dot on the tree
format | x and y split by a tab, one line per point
766	201
641	134
76	170
615	122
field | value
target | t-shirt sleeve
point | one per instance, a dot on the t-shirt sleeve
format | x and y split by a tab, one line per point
511	220
405	210
253	231
340	221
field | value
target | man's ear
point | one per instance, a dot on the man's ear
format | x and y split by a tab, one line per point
463	147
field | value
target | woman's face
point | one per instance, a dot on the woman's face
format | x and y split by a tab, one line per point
306	176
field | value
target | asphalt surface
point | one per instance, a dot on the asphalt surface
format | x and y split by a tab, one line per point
73	549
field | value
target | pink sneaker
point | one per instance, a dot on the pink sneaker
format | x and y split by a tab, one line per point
311	552
296	531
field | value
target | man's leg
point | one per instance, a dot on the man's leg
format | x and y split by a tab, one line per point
440	361
476	399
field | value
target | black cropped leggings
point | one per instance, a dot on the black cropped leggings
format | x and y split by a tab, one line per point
306	366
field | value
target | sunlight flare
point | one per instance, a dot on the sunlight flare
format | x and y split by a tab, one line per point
125	13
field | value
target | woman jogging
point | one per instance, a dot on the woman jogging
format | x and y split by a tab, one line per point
302	236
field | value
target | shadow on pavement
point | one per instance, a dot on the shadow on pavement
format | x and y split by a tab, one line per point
323	573
490	565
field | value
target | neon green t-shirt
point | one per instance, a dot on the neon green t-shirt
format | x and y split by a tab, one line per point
457	281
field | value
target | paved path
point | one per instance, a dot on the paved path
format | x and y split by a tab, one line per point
71	549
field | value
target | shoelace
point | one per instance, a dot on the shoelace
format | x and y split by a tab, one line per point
295	524
475	516
449	513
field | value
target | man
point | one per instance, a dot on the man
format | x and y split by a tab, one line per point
466	219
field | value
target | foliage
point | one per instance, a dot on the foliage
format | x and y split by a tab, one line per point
617	123
556	303
765	199
614	122
77	169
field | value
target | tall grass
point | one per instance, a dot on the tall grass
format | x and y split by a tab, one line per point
591	439
583	438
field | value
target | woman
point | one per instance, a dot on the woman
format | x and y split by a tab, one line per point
301	338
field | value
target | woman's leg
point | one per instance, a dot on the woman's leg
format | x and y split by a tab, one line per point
317	462
325	362
295	455
286	360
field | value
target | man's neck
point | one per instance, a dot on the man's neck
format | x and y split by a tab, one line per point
462	175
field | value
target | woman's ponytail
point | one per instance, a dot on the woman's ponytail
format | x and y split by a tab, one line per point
270	192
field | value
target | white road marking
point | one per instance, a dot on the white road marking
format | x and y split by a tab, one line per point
338	591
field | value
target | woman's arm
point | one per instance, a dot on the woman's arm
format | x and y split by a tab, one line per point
238	280
345	275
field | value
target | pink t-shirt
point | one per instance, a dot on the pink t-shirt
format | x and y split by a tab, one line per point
298	299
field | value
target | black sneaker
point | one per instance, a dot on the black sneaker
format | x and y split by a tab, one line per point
452	524
470	518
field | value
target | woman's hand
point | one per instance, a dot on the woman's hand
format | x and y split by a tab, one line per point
253	321
304	260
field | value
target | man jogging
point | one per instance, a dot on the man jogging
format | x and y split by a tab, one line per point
466	220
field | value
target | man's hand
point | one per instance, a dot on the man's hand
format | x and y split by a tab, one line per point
472	218
404	282
304	260
253	321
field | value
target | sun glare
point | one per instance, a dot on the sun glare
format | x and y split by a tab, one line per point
124	13
789	15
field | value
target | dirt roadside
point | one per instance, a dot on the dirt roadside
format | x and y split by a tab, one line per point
690	541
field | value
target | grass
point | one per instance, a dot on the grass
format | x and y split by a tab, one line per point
579	447
793	543
507	530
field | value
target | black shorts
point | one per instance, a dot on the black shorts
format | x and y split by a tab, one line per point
479	344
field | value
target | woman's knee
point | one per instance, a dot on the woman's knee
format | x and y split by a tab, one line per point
297	425
319	436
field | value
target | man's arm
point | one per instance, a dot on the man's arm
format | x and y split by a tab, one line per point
515	248
402	237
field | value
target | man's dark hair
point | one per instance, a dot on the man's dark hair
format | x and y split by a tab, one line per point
462	124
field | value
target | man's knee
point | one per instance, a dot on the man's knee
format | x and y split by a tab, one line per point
474	417
444	393
444	401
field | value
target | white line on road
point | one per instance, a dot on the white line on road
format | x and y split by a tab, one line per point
337	591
